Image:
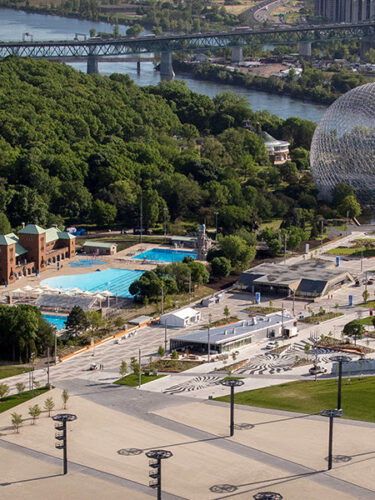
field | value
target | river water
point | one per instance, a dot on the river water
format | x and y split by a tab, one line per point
13	24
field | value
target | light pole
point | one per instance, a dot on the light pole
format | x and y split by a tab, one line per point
61	435
208	338
139	371
48	367
162	298
232	383
331	414
165	223
165	335
340	360
216	216
156	456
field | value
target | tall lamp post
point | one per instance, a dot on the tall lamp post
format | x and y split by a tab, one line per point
165	209
61	419
232	384
216	215
156	456
331	414
340	360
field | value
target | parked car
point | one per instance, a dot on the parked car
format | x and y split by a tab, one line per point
315	370
271	345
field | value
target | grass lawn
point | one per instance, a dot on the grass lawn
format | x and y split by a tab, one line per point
175	365
133	380
353	251
319	317
262	309
9	370
369	303
358	398
15	399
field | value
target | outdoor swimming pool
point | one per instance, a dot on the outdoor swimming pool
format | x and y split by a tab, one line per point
165	255
87	263
116	281
55	320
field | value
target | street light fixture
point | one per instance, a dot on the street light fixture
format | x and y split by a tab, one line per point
232	383
340	360
216	215
331	414
156	456
61	435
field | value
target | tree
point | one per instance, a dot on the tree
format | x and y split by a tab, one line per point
161	351
307	348
354	329
65	396
49	405
103	213
349	207
237	251
174	354
34	412
220	267
17	421
366	295
226	312
123	368
4	390
135	365
76	319
20	386
5	227
134	30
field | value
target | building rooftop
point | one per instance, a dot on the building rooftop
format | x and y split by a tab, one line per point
32	229
7	239
98	244
186	313
223	334
52	234
271	141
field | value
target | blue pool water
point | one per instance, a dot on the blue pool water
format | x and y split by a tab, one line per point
165	255
54	320
87	263
116	281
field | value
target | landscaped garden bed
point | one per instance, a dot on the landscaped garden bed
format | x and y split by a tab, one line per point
16	399
132	380
174	365
262	309
319	317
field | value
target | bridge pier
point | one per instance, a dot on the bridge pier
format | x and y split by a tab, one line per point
138	67
166	68
367	43
92	64
304	49
237	54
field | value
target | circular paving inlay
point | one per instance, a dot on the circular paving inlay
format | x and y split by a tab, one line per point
243	426
129	451
223	488
340	459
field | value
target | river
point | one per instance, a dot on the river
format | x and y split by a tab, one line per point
13	24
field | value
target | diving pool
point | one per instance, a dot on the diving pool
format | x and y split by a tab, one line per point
55	320
116	281
165	255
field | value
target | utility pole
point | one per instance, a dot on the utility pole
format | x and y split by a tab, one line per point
208	338
165	335
48	366
165	223
139	371
282	319
141	218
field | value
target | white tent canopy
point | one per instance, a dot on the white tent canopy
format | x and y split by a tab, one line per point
182	318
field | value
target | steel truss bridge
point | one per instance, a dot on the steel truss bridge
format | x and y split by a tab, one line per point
240	37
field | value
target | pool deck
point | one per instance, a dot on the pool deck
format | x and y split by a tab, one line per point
121	260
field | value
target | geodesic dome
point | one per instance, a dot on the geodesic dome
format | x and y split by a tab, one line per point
343	145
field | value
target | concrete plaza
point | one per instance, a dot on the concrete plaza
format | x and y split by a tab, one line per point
282	452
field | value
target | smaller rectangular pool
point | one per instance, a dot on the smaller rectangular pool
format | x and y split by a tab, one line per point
55	320
165	255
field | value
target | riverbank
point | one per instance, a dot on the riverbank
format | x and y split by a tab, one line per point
272	85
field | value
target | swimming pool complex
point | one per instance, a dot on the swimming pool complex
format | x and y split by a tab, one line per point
165	255
55	320
116	281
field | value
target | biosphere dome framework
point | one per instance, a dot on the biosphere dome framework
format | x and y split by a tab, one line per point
343	145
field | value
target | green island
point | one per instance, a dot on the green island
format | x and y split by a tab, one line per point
132	379
319	317
9	370
9	402
310	397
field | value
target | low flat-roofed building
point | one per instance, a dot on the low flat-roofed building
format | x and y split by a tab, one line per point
311	279
100	248
181	319
226	338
